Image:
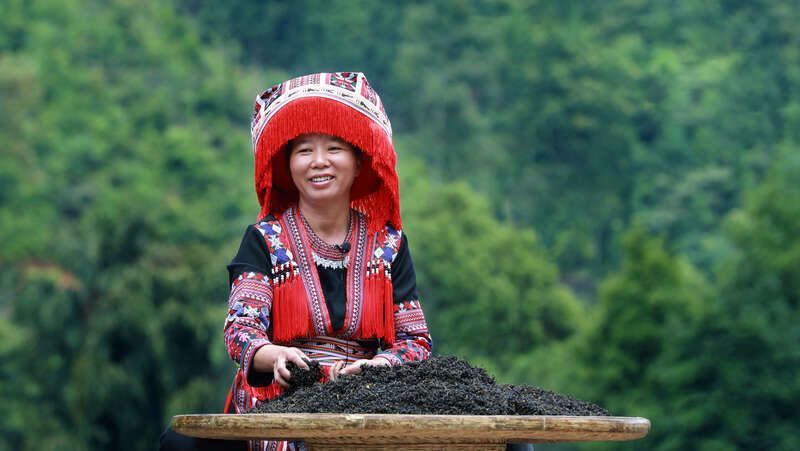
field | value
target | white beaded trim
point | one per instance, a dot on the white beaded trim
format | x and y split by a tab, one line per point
331	264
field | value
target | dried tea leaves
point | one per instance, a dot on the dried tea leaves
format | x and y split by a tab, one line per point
304	378
442	385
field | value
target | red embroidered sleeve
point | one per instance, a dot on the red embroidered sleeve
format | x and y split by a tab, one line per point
413	341
248	318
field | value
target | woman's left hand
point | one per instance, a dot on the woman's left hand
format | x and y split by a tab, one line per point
355	367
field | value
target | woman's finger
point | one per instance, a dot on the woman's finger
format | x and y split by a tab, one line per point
295	355
333	373
353	368
350	370
379	361
282	374
279	378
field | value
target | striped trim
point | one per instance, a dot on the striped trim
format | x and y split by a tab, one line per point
355	276
361	97
256	290
308	272
329	350
409	318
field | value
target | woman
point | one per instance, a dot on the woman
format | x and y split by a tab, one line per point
325	274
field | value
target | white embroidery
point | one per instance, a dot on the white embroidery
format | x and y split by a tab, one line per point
331	264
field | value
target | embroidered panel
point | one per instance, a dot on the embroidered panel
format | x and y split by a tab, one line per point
346	80
279	254
248	316
308	272
349	88
408	349
388	245
355	275
412	340
253	287
409	318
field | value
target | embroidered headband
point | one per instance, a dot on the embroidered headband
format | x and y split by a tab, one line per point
341	104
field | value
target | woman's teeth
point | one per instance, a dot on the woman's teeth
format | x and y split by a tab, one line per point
321	179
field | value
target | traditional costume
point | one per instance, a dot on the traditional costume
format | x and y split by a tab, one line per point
289	287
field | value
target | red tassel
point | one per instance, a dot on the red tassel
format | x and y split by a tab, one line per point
277	300
299	297
372	308
278	307
388	309
377	320
291	318
230	404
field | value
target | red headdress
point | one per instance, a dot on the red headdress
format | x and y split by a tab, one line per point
340	104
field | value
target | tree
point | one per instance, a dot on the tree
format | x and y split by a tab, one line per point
492	279
124	197
748	344
628	357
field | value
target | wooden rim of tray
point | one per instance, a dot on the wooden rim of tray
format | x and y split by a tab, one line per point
392	428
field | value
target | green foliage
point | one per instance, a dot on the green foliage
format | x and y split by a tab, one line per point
713	369
630	355
115	223
750	348
613	109
475	270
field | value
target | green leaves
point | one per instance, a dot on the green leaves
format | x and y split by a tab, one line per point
475	271
119	201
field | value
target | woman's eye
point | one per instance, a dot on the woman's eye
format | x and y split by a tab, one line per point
303	151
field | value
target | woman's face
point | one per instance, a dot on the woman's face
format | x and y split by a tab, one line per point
323	168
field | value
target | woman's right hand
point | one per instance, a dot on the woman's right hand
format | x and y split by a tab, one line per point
274	358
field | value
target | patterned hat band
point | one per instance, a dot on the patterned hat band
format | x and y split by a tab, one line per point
349	88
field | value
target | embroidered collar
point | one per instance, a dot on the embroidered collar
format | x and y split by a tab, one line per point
325	254
328	255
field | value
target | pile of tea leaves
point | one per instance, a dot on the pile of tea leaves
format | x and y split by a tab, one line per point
441	385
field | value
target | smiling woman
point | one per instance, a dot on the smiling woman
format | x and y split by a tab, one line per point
325	274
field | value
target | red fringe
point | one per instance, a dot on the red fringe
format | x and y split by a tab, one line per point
264	393
292	318
377	318
388	309
230	405
372	308
375	191
267	392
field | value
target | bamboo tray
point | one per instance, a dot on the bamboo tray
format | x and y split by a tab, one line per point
332	431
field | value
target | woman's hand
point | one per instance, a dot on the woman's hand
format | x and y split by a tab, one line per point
355	367
274	358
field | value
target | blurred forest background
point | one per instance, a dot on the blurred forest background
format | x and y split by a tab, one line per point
602	198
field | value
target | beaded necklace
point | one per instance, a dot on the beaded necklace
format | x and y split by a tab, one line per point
327	255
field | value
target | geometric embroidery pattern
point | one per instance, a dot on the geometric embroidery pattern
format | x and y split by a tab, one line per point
349	88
